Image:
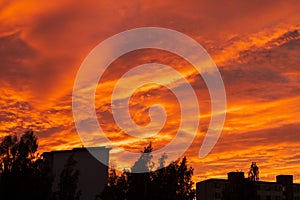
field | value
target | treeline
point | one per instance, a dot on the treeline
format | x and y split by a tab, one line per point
172	182
24	174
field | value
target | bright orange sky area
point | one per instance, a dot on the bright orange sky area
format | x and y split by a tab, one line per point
255	45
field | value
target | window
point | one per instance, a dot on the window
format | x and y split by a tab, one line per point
296	189
217	195
217	185
283	188
258	187
267	188
278	188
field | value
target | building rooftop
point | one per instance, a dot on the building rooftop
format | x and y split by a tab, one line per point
237	187
78	149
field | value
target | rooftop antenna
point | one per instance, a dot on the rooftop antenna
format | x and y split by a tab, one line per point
253	174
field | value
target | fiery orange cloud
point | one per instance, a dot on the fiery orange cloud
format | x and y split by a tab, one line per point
255	44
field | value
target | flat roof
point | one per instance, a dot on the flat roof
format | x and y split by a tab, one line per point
78	149
213	180
255	182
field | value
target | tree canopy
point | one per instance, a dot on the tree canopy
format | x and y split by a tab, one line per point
68	179
23	173
171	182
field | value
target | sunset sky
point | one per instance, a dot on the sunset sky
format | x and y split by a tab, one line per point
255	44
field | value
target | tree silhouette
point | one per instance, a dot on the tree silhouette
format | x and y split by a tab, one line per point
67	186
117	186
171	182
174	181
23	173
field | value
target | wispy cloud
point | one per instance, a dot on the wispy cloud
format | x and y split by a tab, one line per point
255	44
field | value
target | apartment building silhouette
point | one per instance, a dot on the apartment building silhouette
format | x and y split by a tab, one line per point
93	174
237	187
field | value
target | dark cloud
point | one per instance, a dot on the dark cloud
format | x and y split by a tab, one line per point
279	136
264	73
14	53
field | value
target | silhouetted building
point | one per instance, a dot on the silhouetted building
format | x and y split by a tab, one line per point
210	189
93	174
236	187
